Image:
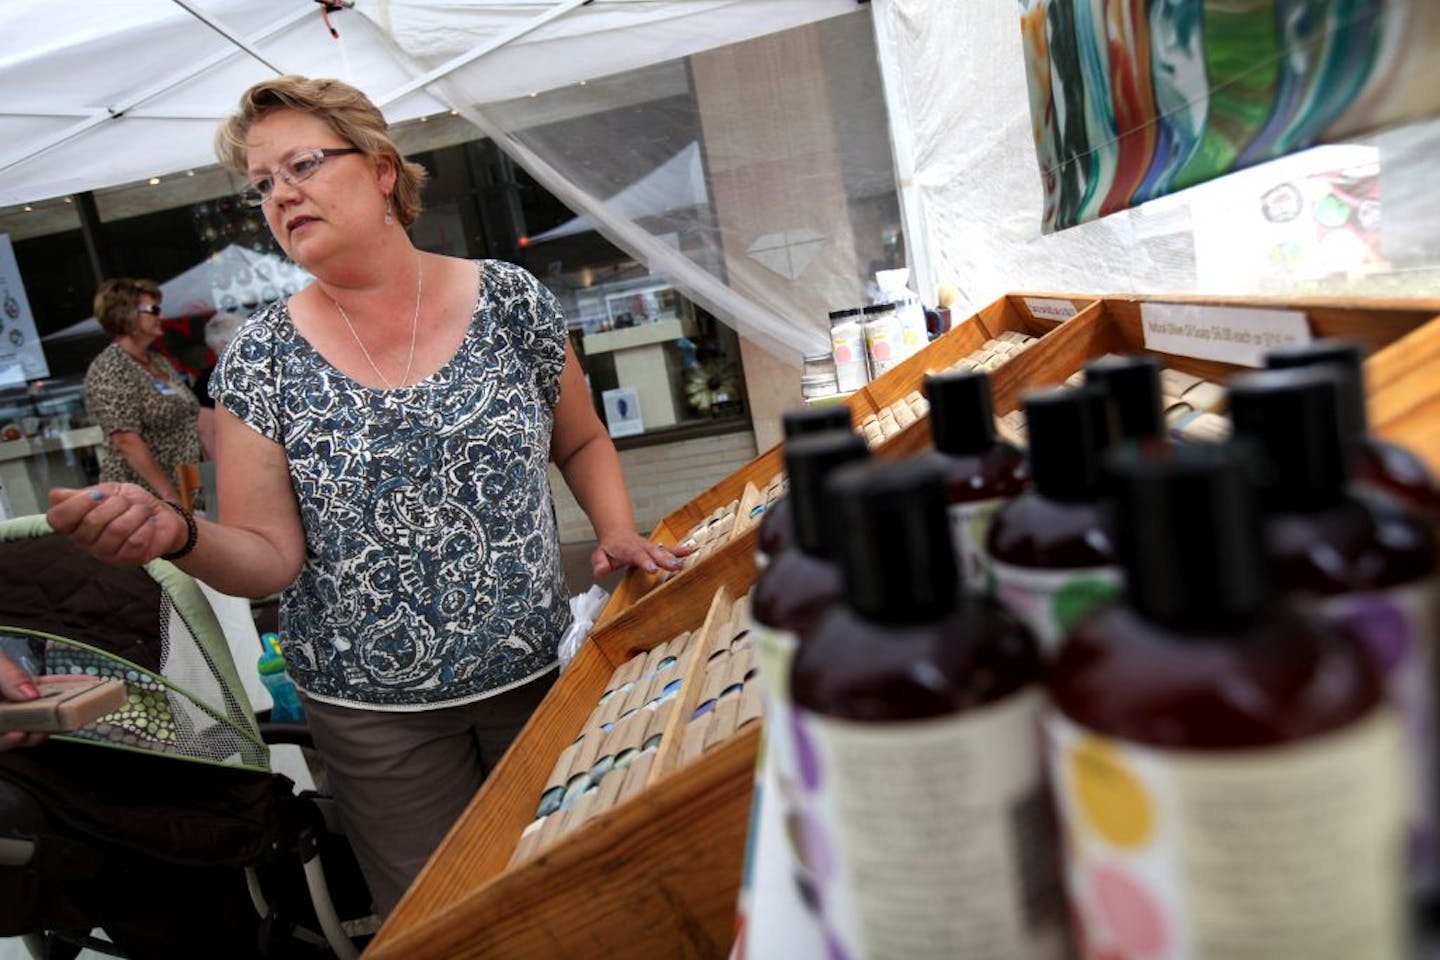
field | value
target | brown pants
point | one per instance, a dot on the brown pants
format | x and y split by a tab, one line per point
400	780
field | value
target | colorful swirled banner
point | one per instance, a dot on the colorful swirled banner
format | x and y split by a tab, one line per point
1134	99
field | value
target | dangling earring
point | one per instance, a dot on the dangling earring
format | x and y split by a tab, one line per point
389	211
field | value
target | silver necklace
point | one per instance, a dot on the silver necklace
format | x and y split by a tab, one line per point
414	326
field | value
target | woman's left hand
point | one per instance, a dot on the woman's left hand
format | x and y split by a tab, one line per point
633	550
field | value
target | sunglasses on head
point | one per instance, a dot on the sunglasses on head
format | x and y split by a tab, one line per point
153	309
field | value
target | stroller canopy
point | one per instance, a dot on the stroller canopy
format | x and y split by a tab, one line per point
65	612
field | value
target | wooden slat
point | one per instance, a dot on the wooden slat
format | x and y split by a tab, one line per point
689	696
1403	382
656	876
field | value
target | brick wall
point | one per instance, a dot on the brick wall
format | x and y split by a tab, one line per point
661	479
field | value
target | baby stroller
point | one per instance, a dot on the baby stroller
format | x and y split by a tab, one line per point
160	823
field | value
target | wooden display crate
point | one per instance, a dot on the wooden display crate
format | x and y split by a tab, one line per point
1007	313
656	876
1397	386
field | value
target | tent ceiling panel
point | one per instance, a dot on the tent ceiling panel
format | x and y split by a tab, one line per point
64	63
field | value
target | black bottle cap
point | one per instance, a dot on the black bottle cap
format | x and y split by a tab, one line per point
1188	532
830	416
1346	357
1069	434
842	314
809	460
893	540
1131	387
962	417
1292	417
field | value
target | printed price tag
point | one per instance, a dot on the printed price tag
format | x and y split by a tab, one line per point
1241	335
1046	309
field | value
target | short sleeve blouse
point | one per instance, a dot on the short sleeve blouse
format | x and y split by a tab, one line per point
123	397
432	572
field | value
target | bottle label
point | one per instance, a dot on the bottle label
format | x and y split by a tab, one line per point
1049	602
1398	627
969	531
1284	851
849	351
932	838
882	340
774	652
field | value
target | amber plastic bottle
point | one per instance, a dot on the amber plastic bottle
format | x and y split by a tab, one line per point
1364	562
1131	387
915	711
1386	465
1050	550
776	526
803	579
981	471
1211	746
792	591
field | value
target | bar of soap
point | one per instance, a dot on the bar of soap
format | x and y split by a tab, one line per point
66	702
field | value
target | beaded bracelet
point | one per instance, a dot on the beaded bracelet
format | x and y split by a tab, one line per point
191	531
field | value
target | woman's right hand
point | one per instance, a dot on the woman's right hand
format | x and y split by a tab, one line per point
17	684
117	523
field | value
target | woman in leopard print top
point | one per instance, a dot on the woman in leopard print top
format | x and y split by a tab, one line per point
135	395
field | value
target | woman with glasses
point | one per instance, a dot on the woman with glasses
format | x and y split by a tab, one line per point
142	404
384	439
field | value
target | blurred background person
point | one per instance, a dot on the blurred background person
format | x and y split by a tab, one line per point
139	400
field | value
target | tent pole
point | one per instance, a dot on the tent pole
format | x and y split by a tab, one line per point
94	235
227	33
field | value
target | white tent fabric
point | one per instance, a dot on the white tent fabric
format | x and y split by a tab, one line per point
677	183
975	197
235	278
100	94
103	94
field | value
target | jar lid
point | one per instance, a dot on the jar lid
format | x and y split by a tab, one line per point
875	308
848	312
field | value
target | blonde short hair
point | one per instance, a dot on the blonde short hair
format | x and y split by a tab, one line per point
117	303
344	109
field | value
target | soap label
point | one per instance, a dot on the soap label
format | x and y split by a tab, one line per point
1398	627
1049	602
932	838
1047	308
1241	335
969	532
1292	850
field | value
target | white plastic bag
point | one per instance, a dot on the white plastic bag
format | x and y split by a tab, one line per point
584	608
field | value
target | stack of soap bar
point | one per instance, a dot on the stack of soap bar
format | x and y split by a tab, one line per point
729	695
619	748
726	523
1193	406
991	355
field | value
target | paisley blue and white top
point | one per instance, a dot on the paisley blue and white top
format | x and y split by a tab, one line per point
432	569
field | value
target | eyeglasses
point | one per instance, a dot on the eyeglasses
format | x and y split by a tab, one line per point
153	309
299	168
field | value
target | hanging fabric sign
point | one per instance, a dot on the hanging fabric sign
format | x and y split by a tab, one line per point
21	357
1131	100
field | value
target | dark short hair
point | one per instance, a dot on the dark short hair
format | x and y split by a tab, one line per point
117	303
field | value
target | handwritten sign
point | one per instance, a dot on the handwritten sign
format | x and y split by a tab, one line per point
1240	335
21	358
1043	308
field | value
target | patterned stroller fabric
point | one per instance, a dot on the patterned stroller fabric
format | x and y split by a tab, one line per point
157	633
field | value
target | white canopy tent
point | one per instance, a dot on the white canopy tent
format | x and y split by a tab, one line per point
234	278
100	94
103	94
